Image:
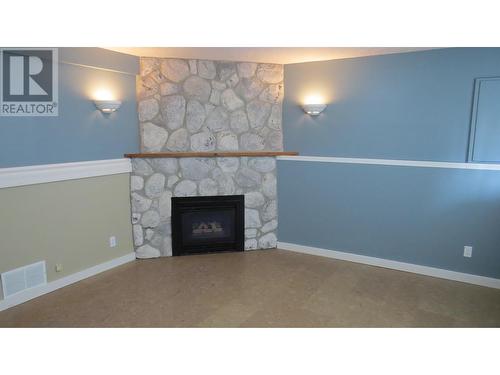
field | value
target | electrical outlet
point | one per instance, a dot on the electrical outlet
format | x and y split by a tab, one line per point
59	267
112	241
467	251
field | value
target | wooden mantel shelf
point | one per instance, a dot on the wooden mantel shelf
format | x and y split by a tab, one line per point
211	154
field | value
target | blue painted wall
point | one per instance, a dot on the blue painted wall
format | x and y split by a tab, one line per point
417	215
80	132
414	106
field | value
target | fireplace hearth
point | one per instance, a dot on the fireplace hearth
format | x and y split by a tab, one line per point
207	224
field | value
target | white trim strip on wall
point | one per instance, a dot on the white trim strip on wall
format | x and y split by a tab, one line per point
29	294
38	174
395	265
393	162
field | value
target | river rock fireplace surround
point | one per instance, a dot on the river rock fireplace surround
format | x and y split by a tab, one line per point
157	179
207	128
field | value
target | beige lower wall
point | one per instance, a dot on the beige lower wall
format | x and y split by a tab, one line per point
67	222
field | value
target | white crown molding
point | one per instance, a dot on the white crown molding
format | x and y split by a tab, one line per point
393	162
31	293
39	174
392	264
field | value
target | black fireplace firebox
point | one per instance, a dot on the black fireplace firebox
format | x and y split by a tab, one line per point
207	224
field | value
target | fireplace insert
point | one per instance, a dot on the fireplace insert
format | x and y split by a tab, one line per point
207	224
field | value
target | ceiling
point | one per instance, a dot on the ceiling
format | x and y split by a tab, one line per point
276	55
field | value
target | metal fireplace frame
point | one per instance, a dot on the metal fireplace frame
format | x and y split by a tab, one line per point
181	205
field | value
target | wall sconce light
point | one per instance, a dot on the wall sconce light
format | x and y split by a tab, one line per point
107	106
314	105
313	109
105	101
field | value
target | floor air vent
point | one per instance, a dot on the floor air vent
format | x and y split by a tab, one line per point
23	278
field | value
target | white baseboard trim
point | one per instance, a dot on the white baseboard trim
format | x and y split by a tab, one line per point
395	265
39	174
393	162
29	294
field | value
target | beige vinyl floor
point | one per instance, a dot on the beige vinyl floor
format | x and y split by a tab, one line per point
271	288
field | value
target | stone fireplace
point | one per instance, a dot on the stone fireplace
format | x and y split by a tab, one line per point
155	181
193	106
